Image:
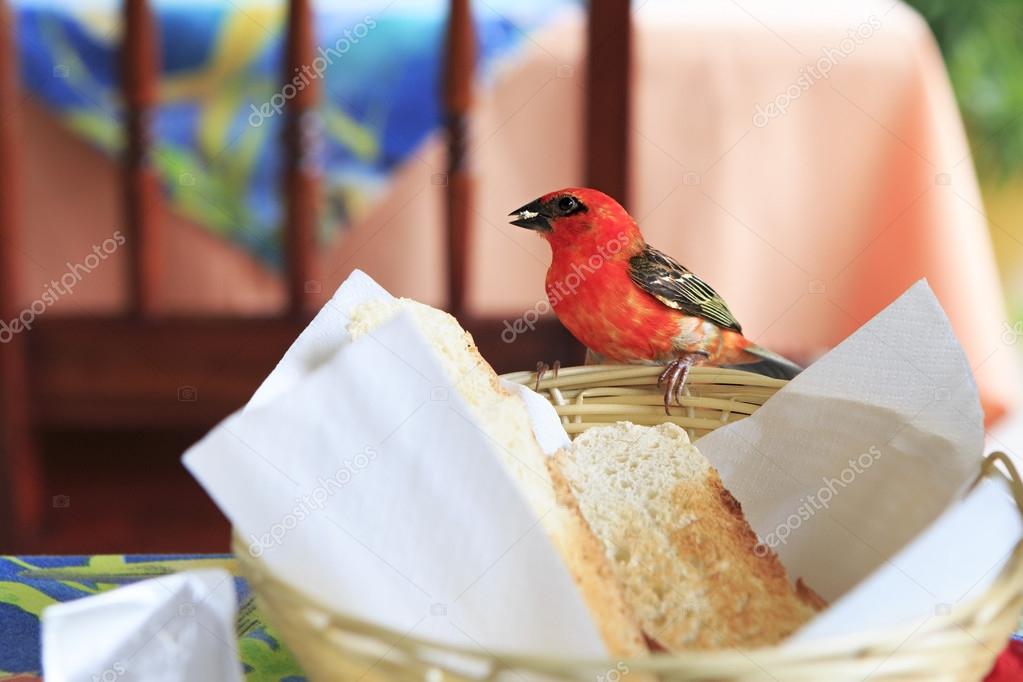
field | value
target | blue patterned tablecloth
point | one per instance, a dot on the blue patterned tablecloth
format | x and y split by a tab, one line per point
216	130
28	584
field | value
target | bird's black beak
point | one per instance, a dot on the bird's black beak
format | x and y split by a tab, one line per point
532	216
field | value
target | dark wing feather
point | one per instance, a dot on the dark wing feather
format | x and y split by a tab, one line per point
672	284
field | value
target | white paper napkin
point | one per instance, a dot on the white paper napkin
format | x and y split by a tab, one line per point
854	473
175	628
547	428
318	342
368	483
328	332
956	559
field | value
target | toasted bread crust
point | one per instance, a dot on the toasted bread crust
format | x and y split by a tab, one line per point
750	600
584	555
688	562
809	597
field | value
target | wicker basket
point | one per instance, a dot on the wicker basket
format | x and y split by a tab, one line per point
959	645
605	394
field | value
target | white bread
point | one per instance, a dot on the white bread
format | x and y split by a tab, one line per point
678	542
507	424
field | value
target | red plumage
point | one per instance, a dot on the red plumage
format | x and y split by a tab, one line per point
628	302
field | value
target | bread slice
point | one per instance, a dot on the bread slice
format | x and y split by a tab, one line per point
678	542
507	424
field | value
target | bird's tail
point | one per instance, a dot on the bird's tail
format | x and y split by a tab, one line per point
769	364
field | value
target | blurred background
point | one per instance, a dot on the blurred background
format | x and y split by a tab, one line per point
183	183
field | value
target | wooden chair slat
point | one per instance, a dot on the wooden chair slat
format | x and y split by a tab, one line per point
608	94
20	483
122	373
97	372
301	158
457	96
139	83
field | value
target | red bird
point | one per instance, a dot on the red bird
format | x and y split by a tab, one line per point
627	302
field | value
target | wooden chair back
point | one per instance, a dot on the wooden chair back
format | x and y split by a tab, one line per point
142	368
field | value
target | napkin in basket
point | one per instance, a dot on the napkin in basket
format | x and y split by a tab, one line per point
359	476
855	474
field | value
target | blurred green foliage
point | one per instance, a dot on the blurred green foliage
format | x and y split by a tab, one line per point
982	43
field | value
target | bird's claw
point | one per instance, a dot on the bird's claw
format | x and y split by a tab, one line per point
673	379
542	368
674	376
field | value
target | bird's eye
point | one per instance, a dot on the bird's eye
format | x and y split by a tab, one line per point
568	204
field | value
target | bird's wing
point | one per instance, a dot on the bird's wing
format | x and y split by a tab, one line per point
672	284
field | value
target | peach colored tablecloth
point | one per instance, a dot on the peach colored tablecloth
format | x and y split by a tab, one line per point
808	221
809	215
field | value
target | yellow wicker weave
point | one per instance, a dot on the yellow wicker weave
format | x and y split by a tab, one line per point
604	394
959	643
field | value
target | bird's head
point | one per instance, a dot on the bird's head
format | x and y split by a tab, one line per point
578	218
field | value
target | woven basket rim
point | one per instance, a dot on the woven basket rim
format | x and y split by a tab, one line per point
1011	573
660	662
697	375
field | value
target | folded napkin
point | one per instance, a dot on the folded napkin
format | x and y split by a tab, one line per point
358	475
176	628
855	474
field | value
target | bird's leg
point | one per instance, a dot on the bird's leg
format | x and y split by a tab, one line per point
674	376
542	369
